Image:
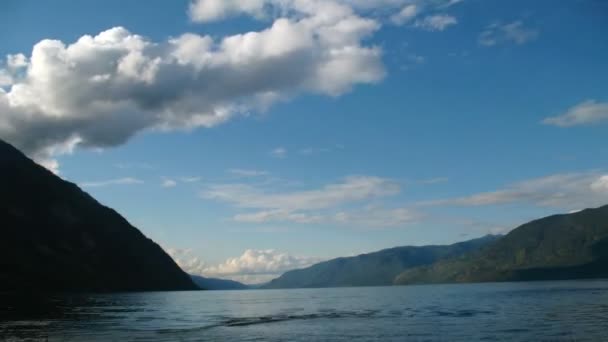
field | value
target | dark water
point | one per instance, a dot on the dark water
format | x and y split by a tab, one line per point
543	311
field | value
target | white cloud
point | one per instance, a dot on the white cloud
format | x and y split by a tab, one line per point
214	10
324	205
515	32
248	173
279	152
565	191
256	266
110	182
586	113
187	261
102	90
169	183
600	185
14	62
252	267
405	15
438	22
351	189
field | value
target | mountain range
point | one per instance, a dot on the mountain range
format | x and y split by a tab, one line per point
217	284
373	269
568	246
56	237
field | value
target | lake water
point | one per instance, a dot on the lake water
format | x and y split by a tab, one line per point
541	311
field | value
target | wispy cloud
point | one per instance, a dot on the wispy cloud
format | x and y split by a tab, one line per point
133	165
405	15
431	11
353	188
323	205
189	179
169	183
279	152
585	113
515	32
438	22
248	173
565	191
110	182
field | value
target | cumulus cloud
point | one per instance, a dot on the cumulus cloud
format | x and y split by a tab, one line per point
328	204
438	22
515	32
252	267
586	113
256	266
564	191
103	89
187	260
110	182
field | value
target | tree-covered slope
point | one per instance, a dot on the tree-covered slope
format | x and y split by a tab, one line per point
55	237
557	247
374	269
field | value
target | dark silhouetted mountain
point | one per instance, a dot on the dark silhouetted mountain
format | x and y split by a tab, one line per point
558	247
217	284
55	237
373	269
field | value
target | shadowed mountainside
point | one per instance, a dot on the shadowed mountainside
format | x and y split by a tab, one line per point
217	284
568	246
55	237
373	269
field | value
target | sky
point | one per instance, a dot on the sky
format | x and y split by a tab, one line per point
252	137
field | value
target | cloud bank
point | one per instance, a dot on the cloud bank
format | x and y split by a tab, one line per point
252	267
103	89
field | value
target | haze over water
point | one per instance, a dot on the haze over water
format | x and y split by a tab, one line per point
540	311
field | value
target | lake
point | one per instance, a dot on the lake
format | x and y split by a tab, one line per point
540	311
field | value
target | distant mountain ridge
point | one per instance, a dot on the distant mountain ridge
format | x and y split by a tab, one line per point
373	269
217	284
55	237
568	246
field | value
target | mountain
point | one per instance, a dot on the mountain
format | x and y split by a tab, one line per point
217	284
566	246
55	237
374	269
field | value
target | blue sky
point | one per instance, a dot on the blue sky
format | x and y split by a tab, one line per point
345	126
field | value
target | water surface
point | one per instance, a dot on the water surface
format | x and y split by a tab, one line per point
541	311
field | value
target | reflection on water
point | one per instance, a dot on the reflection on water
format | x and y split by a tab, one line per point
544	311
